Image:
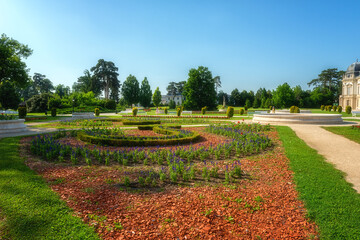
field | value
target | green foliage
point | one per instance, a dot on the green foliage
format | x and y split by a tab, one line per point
339	109
140	122
22	112
38	103
42	84
145	93
334	108
230	112
329	199
242	111
55	102
97	112
134	111
12	67
247	104
156	97
172	104
203	110
178	111
294	109
166	110
130	90
88	83
110	104
105	73
9	97
348	109
322	107
283	96
199	89
53	112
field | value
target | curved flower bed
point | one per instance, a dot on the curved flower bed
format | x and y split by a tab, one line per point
105	136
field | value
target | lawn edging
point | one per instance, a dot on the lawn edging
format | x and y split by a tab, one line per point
30	208
330	200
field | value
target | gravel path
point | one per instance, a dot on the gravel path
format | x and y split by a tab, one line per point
340	151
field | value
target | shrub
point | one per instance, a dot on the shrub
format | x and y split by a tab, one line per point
230	112
203	110
22	112
110	104
178	111
97	112
53	112
166	110
134	111
334	108
322	107
242	111
339	109
329	108
294	109
172	104
348	109
246	107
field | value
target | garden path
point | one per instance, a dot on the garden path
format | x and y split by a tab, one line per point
338	150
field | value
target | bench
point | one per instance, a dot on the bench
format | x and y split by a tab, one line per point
354	113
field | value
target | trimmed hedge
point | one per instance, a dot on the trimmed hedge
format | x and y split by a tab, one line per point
141	122
150	127
129	142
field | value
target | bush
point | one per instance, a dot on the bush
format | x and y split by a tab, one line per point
242	111
53	112
246	108
166	110
322	107
329	108
348	109
140	122
22	112
134	111
230	112
172	104
203	110
178	111
97	112
294	109
110	104
339	109
334	108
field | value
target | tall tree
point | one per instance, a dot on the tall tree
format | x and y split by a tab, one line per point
220	98
171	89
180	87
12	67
130	90
235	97
62	91
327	78
43	84
29	91
199	90
283	96
106	73
145	93
156	97
87	83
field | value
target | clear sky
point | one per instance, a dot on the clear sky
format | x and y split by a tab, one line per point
249	44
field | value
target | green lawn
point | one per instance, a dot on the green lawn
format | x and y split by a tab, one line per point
348	132
330	201
29	208
344	114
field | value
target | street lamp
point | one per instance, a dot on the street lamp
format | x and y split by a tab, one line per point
73	104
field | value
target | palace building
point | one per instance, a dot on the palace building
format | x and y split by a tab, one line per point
351	87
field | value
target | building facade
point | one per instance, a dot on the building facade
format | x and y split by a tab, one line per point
178	99
351	87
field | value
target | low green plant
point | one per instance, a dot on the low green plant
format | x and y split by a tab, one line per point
127	181
334	108
97	112
134	111
322	107
230	112
339	109
294	109
242	111
22	112
166	110
178	111
203	110
348	109
53	112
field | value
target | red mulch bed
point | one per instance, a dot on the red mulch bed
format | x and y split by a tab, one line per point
264	206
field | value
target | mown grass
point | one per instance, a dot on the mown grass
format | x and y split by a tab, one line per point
28	207
330	201
348	132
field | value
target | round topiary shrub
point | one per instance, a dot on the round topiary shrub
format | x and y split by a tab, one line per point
329	108
348	109
22	112
53	112
203	110
166	110
134	111
97	112
294	109
322	107
178	111
242	111
339	109
230	112
334	108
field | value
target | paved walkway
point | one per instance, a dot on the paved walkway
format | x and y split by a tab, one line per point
340	151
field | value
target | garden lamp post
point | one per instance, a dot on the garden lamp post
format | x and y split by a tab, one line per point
73	104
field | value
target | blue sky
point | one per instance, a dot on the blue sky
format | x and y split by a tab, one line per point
249	44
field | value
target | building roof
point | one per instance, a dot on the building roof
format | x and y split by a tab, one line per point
354	67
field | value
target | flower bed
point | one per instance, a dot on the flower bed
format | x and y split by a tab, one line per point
184	116
140	122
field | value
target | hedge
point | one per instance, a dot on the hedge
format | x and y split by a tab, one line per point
141	122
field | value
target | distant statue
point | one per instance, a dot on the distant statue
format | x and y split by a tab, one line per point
273	110
224	101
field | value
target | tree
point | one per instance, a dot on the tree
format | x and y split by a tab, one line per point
283	96
156	97
105	72
327	78
42	84
29	91
130	90
62	91
38	103
180	87
171	89
145	93
87	83
220	98
199	90
9	98
12	68
235	97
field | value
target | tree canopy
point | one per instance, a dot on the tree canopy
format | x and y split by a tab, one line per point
130	90
156	97
199	90
87	83
145	93
12	68
42	84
